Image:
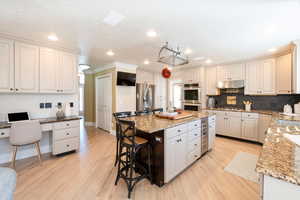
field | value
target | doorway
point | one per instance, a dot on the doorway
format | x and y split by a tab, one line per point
104	102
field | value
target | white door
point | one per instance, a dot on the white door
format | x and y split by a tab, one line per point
26	68
6	65
253	74
67	72
49	65
104	102
284	74
268	76
249	129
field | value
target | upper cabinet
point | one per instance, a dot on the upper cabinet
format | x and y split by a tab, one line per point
6	65
260	78
26	68
284	74
211	81
231	72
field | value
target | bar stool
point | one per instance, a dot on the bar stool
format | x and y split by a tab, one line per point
118	115
157	110
142	112
25	133
127	163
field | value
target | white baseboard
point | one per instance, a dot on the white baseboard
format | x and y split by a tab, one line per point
90	124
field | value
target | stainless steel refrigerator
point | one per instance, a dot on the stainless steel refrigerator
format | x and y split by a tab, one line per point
145	96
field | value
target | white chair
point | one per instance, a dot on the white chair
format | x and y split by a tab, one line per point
25	133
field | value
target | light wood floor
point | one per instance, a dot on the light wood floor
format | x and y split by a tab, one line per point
90	174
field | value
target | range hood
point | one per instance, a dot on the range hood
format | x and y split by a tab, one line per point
230	84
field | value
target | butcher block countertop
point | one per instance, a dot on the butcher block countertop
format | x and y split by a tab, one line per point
152	123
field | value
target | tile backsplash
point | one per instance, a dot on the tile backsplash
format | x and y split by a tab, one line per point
275	103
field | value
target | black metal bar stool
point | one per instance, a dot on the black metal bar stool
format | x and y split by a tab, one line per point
129	168
142	112
157	110
117	116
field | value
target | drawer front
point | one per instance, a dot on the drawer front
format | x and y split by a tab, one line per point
4	133
194	145
66	133
194	124
212	119
67	124
233	114
193	156
192	135
66	145
46	127
250	115
177	130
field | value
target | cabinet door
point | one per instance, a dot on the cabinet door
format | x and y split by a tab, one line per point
211	81
236	72
249	129
284	74
6	65
49	64
67	73
268	77
220	123
234	126
221	73
171	158
263	125
26	68
252	83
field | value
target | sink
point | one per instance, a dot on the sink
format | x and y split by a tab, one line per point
293	138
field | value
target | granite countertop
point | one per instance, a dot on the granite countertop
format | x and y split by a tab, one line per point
44	121
152	123
264	112
280	157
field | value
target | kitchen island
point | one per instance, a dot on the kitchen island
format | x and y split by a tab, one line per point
176	144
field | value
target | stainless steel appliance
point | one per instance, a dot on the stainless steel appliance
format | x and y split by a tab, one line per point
204	135
145	94
230	84
211	102
192	96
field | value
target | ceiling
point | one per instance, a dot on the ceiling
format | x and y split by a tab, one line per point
222	32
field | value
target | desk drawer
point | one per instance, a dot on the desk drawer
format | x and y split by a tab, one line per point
177	130
66	133
66	145
4	133
66	124
194	125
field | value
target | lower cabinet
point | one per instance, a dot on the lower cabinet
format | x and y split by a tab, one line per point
66	137
249	126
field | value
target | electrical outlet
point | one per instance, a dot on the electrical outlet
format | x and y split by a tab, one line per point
48	105
42	105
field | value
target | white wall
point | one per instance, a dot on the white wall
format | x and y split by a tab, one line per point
30	103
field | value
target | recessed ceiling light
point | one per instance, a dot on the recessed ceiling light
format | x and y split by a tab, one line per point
188	51
110	53
52	37
113	18
151	33
146	62
272	50
198	58
208	61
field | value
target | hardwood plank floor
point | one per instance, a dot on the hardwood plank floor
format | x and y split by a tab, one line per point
90	174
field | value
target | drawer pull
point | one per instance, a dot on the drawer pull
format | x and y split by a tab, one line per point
178	140
68	133
2	133
195	156
195	134
68	145
179	130
68	124
195	144
195	125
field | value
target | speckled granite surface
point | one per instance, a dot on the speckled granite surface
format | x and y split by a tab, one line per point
151	123
280	157
44	121
264	112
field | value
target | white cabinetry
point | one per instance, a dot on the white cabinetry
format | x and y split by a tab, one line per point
6	65
234	124
260	78
231	72
211	131
26	68
284	74
58	72
211	81
160	91
66	136
250	126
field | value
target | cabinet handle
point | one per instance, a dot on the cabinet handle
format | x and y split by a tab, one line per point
195	156
179	140
195	144
179	130
68	133
195	134
2	133
195	125
11	89
17	89
68	145
57	90
68	124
